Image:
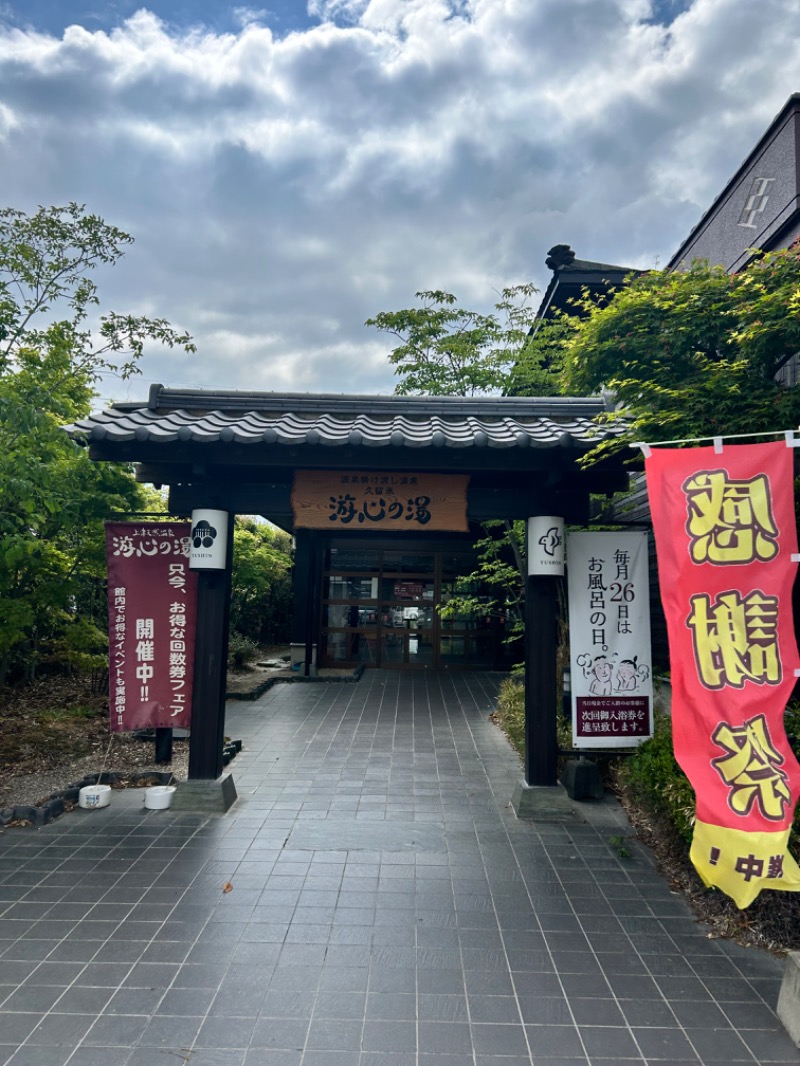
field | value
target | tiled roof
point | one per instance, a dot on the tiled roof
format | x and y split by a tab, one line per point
205	416
586	266
573	276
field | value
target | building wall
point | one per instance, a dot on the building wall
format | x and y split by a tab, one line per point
757	208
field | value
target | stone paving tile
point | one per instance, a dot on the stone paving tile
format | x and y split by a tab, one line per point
387	909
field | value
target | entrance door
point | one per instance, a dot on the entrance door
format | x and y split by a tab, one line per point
379	608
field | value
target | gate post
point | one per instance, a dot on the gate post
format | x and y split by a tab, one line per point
541	646
206	790
540	796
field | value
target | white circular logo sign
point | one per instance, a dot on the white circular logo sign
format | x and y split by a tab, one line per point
208	540
545	546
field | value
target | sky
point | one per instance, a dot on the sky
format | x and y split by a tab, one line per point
289	171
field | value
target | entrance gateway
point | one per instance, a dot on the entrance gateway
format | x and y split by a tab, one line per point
385	497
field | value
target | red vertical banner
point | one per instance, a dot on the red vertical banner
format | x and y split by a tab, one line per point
726	539
152	607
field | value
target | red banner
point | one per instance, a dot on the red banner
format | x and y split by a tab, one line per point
152	604
725	535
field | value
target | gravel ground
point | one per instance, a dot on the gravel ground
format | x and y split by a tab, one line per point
126	755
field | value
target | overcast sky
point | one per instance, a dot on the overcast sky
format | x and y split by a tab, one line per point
287	172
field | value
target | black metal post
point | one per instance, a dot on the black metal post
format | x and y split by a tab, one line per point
542	697
163	745
311	599
210	669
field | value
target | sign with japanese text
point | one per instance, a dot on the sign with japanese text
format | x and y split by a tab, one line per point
725	536
338	499
609	637
152	604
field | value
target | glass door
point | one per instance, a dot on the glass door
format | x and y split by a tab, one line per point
381	607
409	590
349	634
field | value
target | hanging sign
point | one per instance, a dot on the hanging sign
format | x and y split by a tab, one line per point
152	604
335	499
209	539
725	538
545	549
609	638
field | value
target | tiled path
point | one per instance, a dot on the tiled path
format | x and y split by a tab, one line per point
386	909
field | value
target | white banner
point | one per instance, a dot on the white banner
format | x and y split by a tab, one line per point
609	637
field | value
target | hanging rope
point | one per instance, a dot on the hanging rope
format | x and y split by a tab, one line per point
717	441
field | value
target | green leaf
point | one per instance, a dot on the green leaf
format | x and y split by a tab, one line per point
53	499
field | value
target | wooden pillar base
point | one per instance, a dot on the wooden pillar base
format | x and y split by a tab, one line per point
545	803
205	797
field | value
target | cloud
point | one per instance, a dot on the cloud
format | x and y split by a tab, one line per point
282	189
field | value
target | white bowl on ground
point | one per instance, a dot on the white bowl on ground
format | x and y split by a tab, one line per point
159	797
91	797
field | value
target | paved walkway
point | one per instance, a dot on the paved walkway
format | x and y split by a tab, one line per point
386	909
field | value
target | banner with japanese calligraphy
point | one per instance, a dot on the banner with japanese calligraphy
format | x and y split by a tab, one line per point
725	535
152	606
609	638
393	502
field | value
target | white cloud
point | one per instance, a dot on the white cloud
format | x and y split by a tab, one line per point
284	188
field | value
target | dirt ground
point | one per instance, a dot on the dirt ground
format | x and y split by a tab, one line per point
55	731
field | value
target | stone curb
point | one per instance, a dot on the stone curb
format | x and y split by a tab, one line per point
263	687
789	999
55	804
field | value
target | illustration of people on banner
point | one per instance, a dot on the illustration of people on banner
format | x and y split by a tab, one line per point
726	536
609	619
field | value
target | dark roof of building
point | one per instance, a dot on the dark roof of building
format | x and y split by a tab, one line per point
561	260
571	276
204	416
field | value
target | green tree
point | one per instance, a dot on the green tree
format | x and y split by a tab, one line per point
261	586
446	350
693	353
497	585
52	498
539	367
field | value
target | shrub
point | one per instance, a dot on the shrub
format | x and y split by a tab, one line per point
510	713
653	780
792	724
510	716
241	650
261	583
